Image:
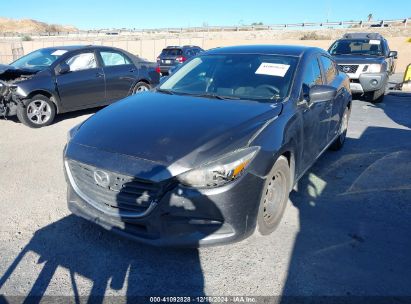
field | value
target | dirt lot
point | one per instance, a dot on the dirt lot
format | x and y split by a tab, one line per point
346	230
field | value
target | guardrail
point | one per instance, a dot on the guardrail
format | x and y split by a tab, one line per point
114	32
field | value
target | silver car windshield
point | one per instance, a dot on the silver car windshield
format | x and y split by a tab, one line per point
38	60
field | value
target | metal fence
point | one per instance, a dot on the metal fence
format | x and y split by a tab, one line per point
148	43
130	32
145	48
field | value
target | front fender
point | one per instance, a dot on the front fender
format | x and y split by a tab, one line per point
42	83
280	137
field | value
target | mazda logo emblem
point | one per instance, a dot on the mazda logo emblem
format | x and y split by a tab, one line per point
101	178
346	69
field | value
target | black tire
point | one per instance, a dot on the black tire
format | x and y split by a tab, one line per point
41	103
274	197
140	87
340	140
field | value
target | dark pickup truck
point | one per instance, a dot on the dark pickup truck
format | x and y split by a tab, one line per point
367	60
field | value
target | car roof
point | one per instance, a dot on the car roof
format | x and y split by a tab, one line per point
181	47
68	47
375	36
81	47
289	50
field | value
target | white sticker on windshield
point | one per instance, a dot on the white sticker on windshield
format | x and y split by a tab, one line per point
272	69
58	52
376	42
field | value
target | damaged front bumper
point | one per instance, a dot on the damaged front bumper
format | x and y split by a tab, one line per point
9	99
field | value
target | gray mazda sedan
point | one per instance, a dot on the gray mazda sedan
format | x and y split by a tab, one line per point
211	155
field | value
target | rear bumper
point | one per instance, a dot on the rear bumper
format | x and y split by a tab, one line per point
184	216
368	82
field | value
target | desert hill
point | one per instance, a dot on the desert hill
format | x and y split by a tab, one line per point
8	25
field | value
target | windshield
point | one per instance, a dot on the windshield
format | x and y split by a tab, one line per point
356	47
38	60
238	76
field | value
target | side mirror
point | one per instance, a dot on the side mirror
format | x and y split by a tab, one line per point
63	68
319	93
393	54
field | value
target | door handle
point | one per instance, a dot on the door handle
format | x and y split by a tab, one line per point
98	74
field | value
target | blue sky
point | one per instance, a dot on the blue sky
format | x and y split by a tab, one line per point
90	14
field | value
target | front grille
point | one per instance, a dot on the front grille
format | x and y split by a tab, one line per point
121	192
348	68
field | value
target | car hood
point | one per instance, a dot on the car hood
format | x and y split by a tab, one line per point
182	131
358	59
9	73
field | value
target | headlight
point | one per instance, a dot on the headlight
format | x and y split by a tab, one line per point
221	171
374	68
19	91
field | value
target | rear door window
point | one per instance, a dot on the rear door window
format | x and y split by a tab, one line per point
114	58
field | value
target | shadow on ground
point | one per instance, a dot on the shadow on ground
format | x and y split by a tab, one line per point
75	114
109	261
61	117
115	263
354	213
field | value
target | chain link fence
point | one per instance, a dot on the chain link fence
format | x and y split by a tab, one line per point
145	48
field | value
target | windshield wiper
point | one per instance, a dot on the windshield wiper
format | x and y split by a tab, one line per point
215	96
365	54
165	91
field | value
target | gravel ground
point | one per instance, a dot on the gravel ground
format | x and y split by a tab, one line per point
346	230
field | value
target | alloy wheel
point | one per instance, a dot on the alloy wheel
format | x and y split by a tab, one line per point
39	112
140	89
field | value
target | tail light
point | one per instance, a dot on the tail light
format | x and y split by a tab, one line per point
158	70
181	59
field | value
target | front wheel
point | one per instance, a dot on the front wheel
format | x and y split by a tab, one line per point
342	133
140	87
274	197
37	112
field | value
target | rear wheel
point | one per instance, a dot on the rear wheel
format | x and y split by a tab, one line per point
140	87
37	112
274	198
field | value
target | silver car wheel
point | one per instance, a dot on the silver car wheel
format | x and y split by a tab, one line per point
39	112
140	89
